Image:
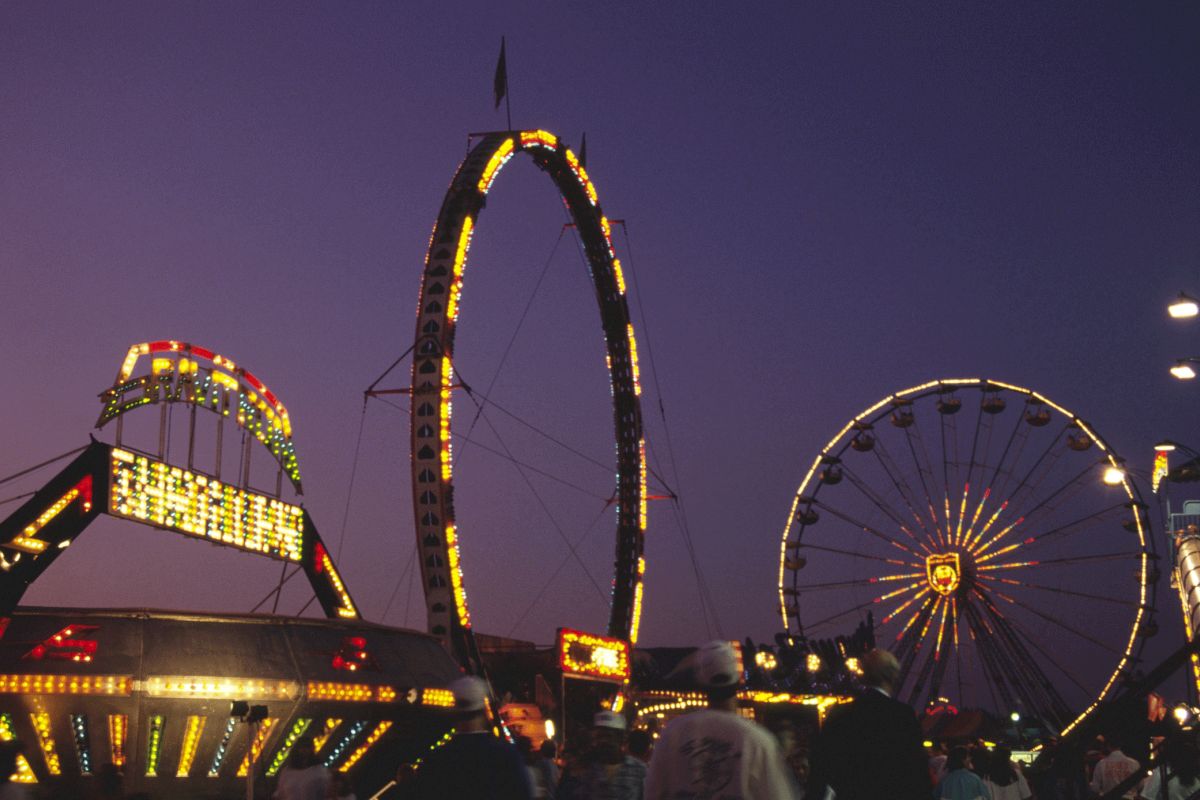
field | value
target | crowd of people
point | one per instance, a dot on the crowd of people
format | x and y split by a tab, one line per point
868	749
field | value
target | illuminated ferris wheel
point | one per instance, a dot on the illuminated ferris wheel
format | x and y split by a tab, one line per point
992	537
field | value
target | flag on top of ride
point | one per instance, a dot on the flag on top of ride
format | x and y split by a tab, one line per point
500	82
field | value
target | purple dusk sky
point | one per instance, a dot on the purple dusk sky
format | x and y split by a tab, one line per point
825	203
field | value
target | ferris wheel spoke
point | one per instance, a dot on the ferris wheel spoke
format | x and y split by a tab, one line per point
1037	473
919	646
939	659
981	638
856	554
879	503
1058	590
1055	621
1044	653
1076	526
913	436
1013	438
979	426
865	527
1050	562
1054	500
907	494
871	581
1034	681
826	620
909	635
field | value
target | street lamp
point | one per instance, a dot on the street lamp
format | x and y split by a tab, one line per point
1183	369
1183	307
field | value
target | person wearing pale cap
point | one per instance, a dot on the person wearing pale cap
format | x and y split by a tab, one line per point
474	764
611	773
716	752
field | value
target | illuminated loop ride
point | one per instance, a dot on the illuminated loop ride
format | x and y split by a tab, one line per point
150	691
434	381
990	535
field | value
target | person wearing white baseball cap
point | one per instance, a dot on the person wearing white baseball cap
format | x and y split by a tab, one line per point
715	752
611	773
474	764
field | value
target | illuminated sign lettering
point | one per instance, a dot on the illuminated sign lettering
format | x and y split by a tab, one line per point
590	656
176	499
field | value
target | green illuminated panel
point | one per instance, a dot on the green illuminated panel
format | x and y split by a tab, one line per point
149	491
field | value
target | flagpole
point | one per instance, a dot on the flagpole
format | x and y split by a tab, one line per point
507	107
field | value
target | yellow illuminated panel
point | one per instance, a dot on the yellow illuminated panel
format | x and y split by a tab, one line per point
298	729
41	725
26	540
593	656
539	139
619	275
346	609
581	174
499	158
112	685
191	743
189	686
154	745
456	577
320	739
256	747
372	738
441	698
350	692
460	260
169	497
118	725
636	622
633	360
24	773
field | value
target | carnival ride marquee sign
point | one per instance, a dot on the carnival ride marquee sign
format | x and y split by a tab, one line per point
158	494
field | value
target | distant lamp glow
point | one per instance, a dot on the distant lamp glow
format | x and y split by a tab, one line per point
549	729
1183	371
853	666
813	662
1181	713
1183	307
1015	716
1114	476
1165	446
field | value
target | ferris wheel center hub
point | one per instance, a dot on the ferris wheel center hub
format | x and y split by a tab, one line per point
944	571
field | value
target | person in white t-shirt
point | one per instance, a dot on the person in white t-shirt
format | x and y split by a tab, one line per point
1112	770
715	752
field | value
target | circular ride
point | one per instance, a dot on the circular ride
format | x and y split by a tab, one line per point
434	381
991	537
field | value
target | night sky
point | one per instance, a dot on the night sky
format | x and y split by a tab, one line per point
824	205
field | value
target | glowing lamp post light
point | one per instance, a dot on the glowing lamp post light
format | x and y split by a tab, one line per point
1183	307
1114	476
1183	370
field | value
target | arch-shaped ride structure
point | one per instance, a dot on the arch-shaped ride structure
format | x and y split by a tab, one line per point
434	378
991	536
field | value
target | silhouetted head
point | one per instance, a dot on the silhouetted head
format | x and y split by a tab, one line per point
881	669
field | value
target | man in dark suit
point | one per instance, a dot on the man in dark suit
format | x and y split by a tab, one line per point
871	748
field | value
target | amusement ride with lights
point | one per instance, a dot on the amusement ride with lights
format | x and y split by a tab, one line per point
994	539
